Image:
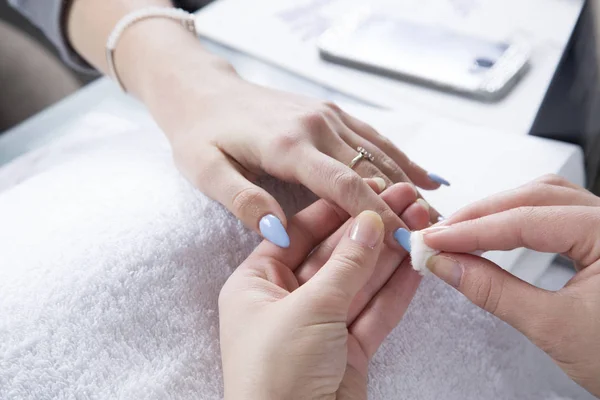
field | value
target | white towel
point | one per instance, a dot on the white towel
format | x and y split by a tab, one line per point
110	269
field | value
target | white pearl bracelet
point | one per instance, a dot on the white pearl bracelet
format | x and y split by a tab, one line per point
187	20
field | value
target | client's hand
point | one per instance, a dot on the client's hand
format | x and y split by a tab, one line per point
303	324
549	215
226	133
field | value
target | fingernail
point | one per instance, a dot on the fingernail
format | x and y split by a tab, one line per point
447	269
367	229
380	184
423	203
416	190
441	219
438	179
272	229
402	236
434	229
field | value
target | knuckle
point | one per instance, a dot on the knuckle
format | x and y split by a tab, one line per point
315	121
287	142
551	179
350	259
389	165
347	182
369	170
331	106
246	201
486	292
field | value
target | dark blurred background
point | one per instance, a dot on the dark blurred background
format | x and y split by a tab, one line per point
29	69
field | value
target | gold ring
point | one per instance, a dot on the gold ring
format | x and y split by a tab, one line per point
362	153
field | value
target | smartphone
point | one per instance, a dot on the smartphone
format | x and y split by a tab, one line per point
424	54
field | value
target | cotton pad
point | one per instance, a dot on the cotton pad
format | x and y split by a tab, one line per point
420	252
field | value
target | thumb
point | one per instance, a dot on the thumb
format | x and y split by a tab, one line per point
525	307
350	266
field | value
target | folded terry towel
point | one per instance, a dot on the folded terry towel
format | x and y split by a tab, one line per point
110	269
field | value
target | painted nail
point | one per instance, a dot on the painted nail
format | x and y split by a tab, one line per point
438	179
447	269
367	229
441	219
272	229
380	184
402	236
423	203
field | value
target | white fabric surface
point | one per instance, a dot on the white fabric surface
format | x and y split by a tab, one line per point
110	269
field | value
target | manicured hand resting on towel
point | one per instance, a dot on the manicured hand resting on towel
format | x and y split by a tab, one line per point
226	132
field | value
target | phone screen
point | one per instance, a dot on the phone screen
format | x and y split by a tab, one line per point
425	52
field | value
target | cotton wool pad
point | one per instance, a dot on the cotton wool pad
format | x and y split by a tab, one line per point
420	252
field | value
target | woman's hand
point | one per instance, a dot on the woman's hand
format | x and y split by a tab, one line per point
244	131
226	132
297	327
549	215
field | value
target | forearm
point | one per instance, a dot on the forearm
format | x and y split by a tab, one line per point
152	57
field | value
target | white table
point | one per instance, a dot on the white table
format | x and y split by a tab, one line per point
257	28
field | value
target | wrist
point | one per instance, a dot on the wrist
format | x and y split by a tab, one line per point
165	66
156	56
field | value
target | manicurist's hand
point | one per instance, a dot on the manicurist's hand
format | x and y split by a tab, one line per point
302	324
549	215
226	132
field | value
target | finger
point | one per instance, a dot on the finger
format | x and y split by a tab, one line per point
309	228
388	264
341	151
385	164
333	181
333	288
398	197
538	193
381	160
255	207
557	180
569	230
383	313
416	216
417	175
527	308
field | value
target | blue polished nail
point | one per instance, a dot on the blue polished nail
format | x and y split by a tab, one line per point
438	179
272	229
402	236
440	219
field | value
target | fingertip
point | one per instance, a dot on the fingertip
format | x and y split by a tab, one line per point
381	185
273	230
367	229
416	216
437	179
377	184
